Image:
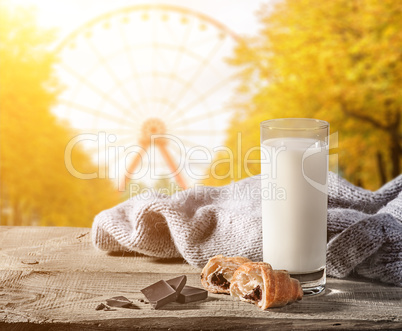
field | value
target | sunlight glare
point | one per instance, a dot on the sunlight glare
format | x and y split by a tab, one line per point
50	13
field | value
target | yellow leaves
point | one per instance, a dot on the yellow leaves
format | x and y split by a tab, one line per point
340	61
36	187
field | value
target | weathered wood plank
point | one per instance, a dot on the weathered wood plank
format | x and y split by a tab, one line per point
71	278
212	323
70	249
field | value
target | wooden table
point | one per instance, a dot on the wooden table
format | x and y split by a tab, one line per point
53	278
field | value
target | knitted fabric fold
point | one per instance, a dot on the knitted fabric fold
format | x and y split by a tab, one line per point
364	227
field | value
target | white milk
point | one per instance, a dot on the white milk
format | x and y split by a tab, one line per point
294	206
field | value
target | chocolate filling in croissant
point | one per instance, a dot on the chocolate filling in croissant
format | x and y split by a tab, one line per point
254	295
218	280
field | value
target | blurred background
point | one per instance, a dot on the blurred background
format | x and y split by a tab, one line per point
102	100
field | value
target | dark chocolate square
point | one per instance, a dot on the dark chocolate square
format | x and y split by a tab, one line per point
159	294
177	283
191	294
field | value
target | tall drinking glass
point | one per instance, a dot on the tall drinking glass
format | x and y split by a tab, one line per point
294	172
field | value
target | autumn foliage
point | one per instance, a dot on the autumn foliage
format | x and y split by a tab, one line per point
339	61
35	186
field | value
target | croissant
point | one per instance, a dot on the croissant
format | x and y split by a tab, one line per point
217	273
258	283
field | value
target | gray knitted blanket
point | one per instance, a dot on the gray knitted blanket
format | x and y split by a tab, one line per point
364	227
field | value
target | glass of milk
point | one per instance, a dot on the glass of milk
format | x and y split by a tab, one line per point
294	171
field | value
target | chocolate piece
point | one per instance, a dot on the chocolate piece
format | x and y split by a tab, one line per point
218	280
107	308
191	294
255	294
159	294
177	283
120	301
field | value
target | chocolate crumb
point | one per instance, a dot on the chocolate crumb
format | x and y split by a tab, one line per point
254	295
218	280
101	306
104	307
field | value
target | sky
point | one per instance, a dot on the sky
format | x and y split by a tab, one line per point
67	15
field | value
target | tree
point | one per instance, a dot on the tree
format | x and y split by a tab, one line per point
35	185
338	60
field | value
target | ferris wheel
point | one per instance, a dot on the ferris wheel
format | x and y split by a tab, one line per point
153	79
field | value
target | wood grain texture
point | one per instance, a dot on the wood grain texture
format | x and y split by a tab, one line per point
54	278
